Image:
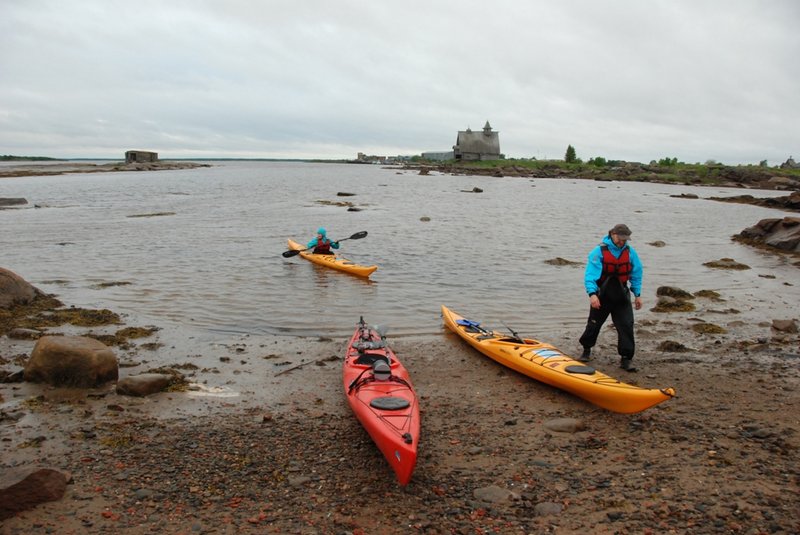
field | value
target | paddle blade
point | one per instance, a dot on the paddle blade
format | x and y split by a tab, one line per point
289	254
381	330
358	235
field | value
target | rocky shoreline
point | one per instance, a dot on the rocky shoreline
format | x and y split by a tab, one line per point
748	177
32	169
499	453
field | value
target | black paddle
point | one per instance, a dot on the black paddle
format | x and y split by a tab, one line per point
295	252
515	336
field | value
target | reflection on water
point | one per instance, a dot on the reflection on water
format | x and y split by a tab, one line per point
216	263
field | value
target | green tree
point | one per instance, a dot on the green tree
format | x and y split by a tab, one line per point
570	156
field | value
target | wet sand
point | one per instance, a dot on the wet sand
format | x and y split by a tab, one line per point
250	451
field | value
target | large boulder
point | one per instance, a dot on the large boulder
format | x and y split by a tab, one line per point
76	361
25	488
783	234
14	290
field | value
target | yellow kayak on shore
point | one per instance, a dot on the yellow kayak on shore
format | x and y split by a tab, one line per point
547	364
332	261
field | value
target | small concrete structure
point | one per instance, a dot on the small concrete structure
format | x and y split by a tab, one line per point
140	156
477	145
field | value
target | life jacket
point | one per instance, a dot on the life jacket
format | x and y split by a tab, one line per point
323	247
612	266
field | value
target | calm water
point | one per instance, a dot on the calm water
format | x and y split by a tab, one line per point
216	264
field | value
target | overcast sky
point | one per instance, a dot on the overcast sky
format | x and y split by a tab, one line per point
628	79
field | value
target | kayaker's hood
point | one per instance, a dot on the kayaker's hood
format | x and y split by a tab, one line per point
616	251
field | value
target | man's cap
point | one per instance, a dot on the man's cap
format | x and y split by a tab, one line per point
621	229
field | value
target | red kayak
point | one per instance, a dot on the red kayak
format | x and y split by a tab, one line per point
382	397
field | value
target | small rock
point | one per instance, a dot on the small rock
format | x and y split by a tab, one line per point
786	326
547	508
493	494
565	425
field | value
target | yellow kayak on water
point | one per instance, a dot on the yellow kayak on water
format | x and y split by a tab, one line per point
547	364
332	261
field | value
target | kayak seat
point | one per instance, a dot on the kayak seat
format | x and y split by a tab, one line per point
369	359
390	403
586	370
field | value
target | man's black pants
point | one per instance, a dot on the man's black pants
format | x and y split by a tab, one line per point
622	316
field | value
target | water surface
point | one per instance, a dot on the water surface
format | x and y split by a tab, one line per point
215	263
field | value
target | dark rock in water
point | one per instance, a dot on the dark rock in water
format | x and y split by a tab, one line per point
345	194
657	243
709	294
686	196
353	209
12	201
23	489
15	290
790	202
782	234
670	304
708	328
671	291
726	263
558	261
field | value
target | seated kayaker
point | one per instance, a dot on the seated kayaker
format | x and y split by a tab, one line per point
321	244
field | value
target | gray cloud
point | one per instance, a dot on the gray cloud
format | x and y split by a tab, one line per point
635	80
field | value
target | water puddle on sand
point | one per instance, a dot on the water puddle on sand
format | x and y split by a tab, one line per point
197	390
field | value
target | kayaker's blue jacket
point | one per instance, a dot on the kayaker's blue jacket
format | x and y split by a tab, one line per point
594	267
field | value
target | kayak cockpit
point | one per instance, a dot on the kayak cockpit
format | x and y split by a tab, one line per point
369	359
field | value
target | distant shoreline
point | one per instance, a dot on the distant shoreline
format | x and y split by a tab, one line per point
48	169
749	176
711	174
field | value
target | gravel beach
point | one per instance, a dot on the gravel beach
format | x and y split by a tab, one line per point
499	453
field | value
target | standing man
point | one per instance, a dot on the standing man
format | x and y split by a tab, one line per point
612	273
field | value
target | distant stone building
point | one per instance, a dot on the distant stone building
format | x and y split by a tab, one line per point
140	156
477	145
790	164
